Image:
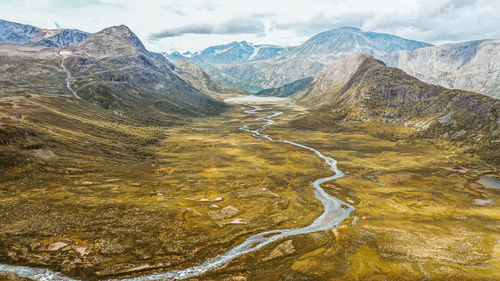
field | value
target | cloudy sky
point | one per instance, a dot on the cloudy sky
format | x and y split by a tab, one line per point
166	25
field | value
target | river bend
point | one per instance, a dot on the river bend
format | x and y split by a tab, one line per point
334	213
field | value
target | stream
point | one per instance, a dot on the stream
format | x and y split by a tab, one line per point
63	54
334	213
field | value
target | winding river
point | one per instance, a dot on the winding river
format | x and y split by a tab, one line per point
334	213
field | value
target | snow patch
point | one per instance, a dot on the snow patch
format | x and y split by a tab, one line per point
255	52
217	52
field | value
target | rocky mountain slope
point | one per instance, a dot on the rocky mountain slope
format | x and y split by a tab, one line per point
200	80
11	32
110	69
473	66
309	58
268	73
27	70
234	52
287	89
360	91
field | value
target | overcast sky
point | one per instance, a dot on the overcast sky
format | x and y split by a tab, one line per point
165	25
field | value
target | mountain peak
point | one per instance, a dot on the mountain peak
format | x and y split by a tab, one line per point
366	58
122	33
339	30
115	40
337	75
352	40
348	28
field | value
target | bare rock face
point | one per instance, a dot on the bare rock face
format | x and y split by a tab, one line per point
110	247
331	80
472	66
484	202
44	154
57	245
284	249
113	69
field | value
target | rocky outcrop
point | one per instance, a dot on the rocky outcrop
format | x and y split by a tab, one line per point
472	66
284	249
224	213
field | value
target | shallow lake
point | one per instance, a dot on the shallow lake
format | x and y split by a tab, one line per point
491	182
252	98
254	91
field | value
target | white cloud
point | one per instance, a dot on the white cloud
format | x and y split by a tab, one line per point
198	24
237	26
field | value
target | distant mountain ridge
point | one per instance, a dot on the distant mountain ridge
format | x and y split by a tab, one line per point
351	40
200	80
234	52
309	58
16	33
473	65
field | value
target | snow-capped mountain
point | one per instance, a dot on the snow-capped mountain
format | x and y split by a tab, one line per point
234	52
307	59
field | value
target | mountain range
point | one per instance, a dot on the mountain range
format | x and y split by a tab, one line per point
111	69
309	58
468	66
234	52
16	33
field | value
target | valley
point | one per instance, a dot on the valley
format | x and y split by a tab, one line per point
202	189
328	153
